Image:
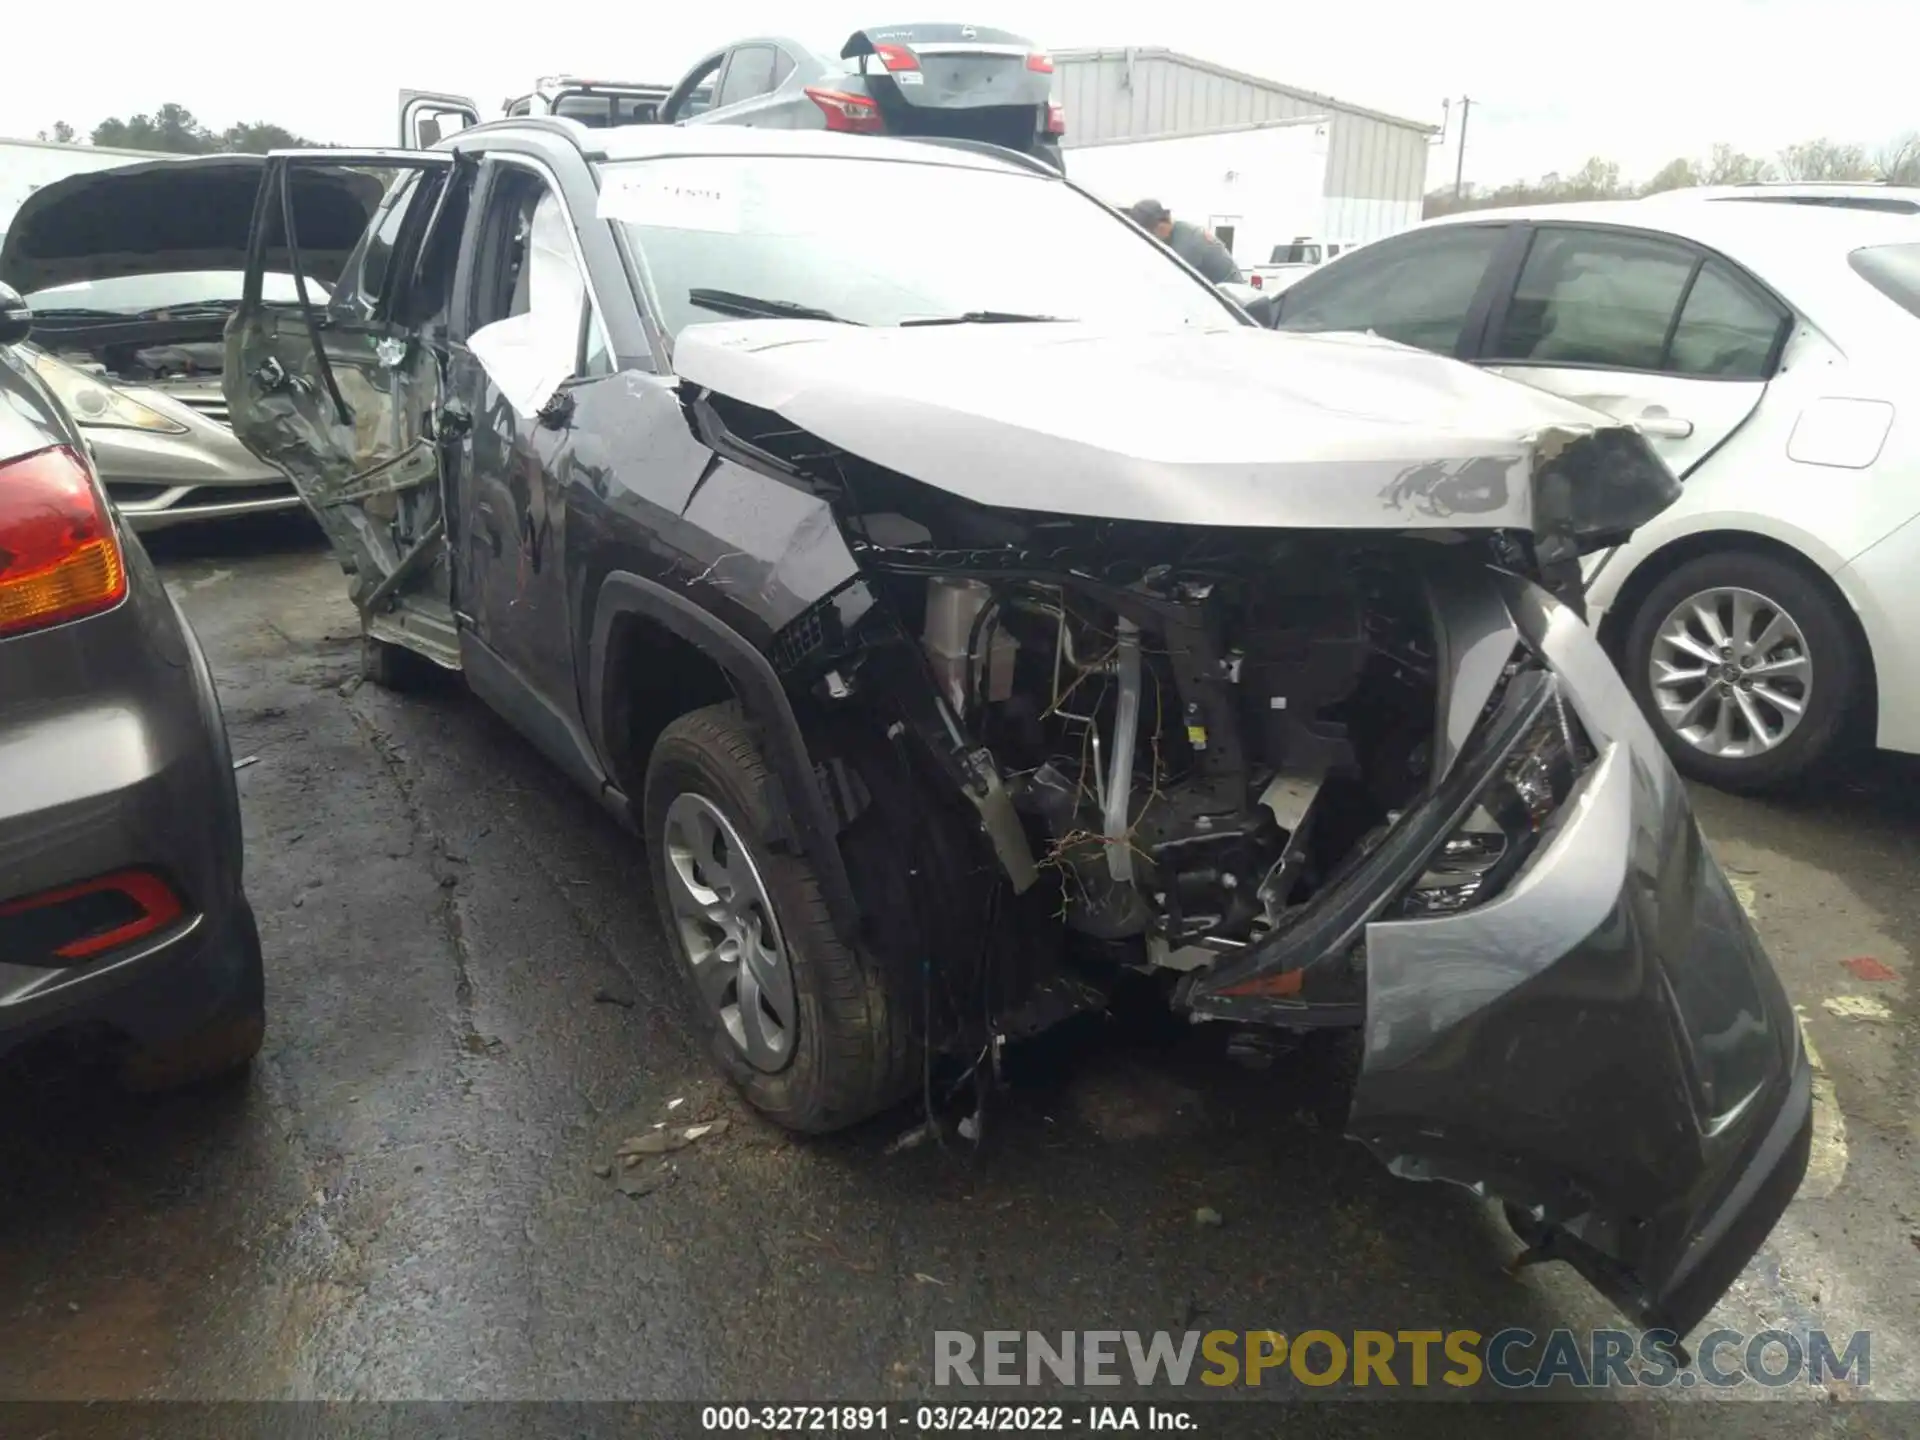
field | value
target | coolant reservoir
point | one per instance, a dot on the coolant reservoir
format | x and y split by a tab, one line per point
953	608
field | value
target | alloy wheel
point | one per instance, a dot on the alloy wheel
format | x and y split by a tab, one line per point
727	926
1731	673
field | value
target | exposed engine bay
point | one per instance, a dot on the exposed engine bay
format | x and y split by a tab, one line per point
108	353
1121	746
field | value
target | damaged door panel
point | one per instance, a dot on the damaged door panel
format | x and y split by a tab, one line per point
347	398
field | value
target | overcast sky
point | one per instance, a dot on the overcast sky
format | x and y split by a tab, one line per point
1637	81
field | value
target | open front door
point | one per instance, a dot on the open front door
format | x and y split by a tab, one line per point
427	117
342	391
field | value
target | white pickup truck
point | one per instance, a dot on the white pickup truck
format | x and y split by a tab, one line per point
1290	261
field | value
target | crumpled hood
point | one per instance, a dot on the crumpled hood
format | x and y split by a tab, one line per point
1236	426
169	216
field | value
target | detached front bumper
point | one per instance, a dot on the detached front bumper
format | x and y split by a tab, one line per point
1604	1044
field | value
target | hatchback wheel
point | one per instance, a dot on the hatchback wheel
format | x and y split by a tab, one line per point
813	1033
1745	668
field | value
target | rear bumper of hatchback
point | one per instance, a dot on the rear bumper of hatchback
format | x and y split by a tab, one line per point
114	761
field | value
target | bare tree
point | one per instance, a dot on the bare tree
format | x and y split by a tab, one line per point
1898	161
1824	159
1728	166
1599	179
1674	175
1596	180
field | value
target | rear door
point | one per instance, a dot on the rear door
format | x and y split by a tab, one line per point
342	392
428	117
1652	330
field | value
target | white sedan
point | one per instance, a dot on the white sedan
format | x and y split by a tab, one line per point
1772	355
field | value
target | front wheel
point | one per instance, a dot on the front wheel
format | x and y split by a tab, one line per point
812	1032
1745	667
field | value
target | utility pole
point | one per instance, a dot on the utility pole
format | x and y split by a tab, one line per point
1460	165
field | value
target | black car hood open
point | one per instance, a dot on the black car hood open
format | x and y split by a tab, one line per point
168	216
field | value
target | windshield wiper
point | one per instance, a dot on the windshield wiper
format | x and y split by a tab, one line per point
78	312
192	307
984	317
754	307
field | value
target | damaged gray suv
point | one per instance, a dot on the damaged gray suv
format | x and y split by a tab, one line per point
965	622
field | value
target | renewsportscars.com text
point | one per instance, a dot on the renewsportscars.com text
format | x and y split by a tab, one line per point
1510	1359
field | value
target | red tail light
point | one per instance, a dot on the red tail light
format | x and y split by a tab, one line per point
58	556
1256	282
897	57
1056	118
79	922
1042	63
851	114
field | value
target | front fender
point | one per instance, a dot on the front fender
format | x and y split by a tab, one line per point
1609	574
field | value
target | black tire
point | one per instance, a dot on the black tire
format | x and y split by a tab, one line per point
854	1052
222	1050
1831	647
391	667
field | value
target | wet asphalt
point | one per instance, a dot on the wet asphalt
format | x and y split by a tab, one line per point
470	1008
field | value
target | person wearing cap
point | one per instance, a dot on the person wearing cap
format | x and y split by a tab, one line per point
1191	243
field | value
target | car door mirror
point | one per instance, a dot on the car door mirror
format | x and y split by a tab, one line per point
16	319
1264	308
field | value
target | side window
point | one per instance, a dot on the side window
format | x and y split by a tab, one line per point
750	74
699	99
532	320
1595	298
782	67
432	256
1728	329
1416	290
364	279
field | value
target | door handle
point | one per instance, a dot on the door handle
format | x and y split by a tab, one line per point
1664	427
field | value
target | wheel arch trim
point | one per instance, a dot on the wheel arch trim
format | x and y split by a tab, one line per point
800	809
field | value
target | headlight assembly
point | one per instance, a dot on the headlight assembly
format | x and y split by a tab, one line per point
1516	808
93	401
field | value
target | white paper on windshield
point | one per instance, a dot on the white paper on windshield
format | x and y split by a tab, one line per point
644	195
530	355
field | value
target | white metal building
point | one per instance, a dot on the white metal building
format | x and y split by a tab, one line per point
1376	163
